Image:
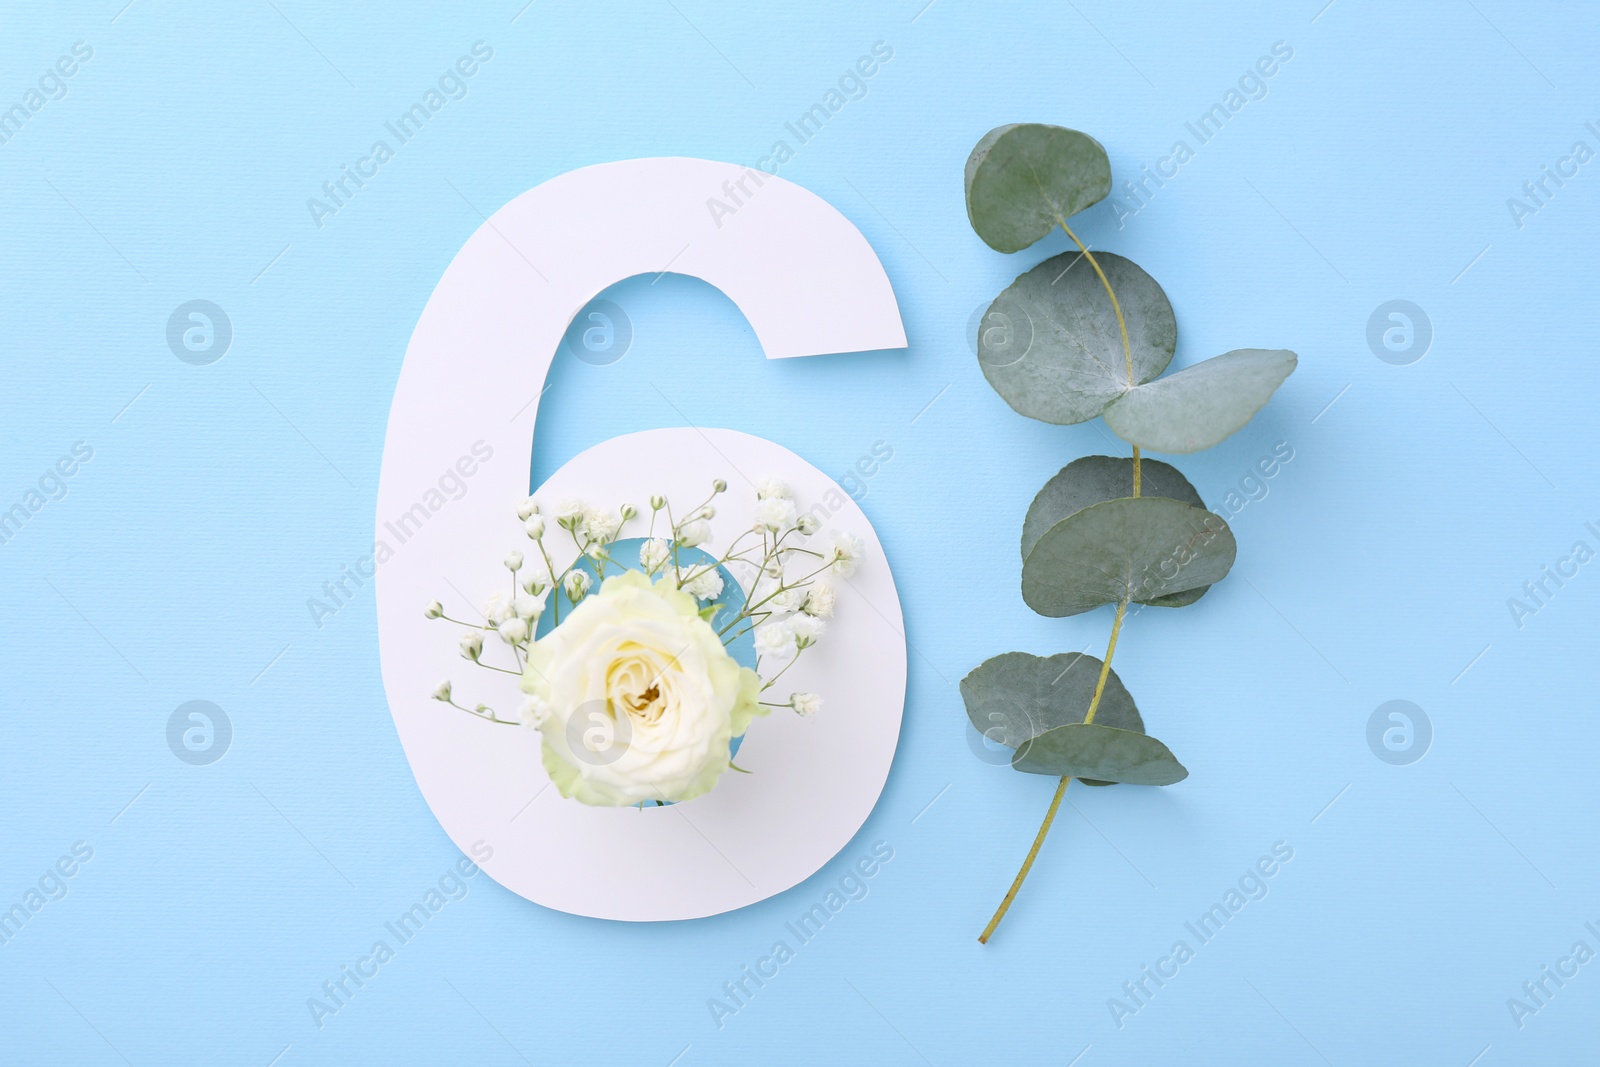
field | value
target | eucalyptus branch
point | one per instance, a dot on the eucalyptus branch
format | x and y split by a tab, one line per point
1084	527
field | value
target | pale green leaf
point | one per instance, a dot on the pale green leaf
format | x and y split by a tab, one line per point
1200	405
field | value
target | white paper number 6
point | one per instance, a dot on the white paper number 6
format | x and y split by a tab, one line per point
457	457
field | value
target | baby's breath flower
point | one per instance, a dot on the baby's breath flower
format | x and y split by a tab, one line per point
534	712
654	553
577	585
442	690
472	646
569	513
433	610
529	607
526	508
775	640
807	628
598	524
513	631
534	526
696	532
657	502
705	585
807	525
845	553
787	599
535	582
628	511
513	560
771	487
775	512
805	703
819	601
719	486
498	609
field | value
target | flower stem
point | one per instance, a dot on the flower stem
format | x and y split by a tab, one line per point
1055	803
1027	864
1122	325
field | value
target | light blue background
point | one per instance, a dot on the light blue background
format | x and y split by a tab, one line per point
179	564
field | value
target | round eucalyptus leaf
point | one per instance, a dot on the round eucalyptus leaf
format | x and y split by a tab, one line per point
1200	405
1059	358
1016	696
1024	179
1094	480
1139	549
1103	753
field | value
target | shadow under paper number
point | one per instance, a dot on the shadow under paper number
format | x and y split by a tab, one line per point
199	332
1399	733
199	732
600	334
1399	332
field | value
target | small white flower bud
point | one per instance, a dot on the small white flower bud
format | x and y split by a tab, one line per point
577	585
628	512
657	502
514	560
513	631
708	512
533	583
805	703
719	486
472	645
694	533
526	508
530	607
807	525
442	690
433	610
569	513
534	526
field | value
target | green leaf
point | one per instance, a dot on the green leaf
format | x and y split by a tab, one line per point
1141	549
1094	479
1050	344
1023	179
1103	753
1200	405
1015	696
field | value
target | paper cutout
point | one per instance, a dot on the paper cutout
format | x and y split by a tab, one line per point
457	456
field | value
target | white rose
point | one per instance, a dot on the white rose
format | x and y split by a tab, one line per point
643	699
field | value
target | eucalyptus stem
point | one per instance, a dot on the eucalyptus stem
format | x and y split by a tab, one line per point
1027	864
1122	325
1105	666
1061	790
